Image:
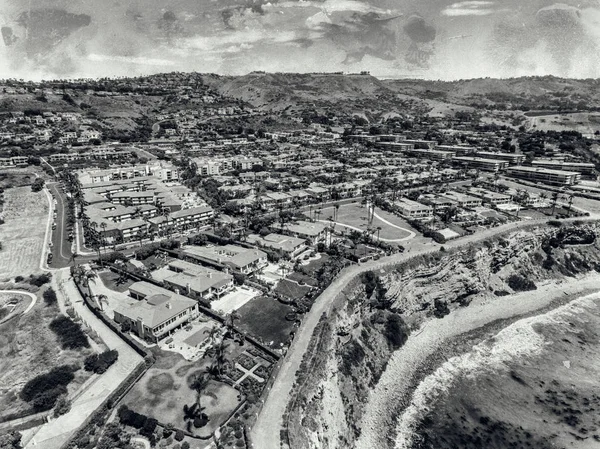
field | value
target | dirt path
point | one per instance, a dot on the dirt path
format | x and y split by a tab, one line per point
265	433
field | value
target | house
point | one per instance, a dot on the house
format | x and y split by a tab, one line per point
237	258
284	244
157	312
312	232
194	280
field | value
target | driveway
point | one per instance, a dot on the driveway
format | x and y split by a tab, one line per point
55	433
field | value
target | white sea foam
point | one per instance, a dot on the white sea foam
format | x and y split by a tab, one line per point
516	341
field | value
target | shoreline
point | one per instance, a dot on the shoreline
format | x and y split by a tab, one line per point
439	339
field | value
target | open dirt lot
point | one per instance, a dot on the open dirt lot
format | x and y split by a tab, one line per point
22	234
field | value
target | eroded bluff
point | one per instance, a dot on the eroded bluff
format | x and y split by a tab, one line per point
374	314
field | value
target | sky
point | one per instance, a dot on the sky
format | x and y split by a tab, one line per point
431	39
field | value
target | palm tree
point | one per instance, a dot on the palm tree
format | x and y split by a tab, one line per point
166	213
213	332
102	299
230	320
73	257
378	231
335	215
198	384
554	200
103	226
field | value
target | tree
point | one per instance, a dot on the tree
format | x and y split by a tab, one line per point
101	300
213	332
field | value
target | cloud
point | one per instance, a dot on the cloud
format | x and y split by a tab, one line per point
130	60
469	8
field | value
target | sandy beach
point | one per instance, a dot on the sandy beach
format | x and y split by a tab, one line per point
409	365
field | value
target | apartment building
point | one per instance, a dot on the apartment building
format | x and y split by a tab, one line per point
511	158
492	165
545	175
283	244
413	209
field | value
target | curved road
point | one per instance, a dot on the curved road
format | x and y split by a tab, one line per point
266	432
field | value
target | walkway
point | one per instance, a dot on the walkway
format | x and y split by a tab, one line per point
265	433
248	373
56	432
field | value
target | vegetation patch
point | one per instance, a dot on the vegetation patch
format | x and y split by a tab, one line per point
69	333
43	391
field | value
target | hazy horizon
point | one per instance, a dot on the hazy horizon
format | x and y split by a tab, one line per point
436	39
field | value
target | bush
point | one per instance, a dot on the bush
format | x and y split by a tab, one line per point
69	333
133	419
441	309
40	280
63	405
99	363
185	445
395	331
149	427
50	297
37	185
44	390
520	283
179	435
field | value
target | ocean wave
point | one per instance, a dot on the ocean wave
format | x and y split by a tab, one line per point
522	339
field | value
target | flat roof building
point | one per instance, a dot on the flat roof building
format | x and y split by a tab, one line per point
414	209
545	175
492	165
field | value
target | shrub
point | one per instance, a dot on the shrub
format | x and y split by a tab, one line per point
179	435
37	185
50	297
395	331
99	363
520	283
44	390
352	355
69	333
441	309
40	280
149	427
63	405
133	419
185	445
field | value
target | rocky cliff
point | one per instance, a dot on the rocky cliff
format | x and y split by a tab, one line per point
376	312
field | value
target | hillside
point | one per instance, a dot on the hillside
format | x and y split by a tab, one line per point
543	93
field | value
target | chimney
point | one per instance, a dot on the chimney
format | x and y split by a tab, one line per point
169	306
187	286
210	274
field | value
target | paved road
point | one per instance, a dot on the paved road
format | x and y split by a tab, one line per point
61	247
265	433
56	432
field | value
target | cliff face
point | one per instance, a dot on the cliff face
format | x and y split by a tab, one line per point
372	319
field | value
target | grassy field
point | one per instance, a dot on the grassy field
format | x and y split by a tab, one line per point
265	318
164	390
29	348
355	215
22	235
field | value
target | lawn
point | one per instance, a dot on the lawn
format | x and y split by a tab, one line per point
110	278
291	290
163	391
29	348
355	215
22	235
264	318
